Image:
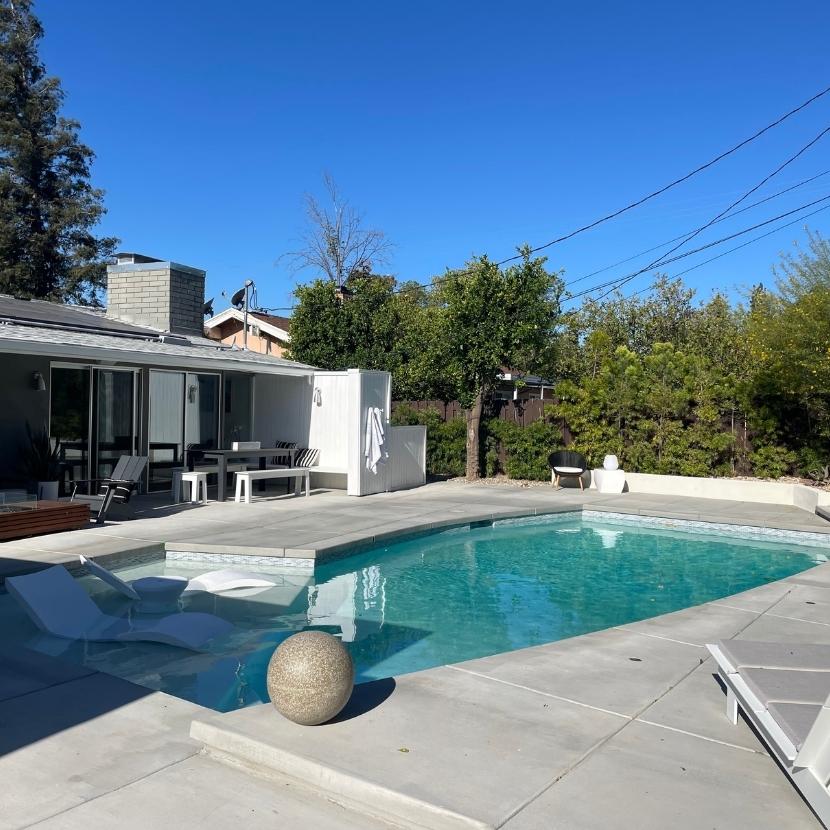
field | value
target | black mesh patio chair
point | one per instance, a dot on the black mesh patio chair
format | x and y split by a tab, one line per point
567	464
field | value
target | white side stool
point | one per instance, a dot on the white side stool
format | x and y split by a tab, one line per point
197	482
609	481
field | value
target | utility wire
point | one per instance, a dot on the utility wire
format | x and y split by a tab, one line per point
722	219
732	250
661	260
644	199
615	283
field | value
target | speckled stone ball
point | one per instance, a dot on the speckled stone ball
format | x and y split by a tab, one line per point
310	677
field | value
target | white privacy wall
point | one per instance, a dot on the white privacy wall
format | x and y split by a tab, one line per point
329	412
331	426
282	409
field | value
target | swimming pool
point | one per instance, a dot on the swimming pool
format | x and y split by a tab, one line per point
436	599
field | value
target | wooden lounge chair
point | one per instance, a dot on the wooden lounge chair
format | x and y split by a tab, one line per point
784	692
118	488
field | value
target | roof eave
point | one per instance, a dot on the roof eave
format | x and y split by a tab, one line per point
134	357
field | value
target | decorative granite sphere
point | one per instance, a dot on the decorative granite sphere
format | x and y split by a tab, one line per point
310	677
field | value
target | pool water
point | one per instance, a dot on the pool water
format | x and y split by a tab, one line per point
436	599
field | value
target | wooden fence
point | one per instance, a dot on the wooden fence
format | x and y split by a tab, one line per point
522	413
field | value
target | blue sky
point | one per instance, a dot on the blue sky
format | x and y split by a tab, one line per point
458	128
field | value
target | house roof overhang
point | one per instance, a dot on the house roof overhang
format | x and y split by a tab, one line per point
151	351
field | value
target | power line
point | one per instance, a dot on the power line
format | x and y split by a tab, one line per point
736	248
615	283
644	199
661	260
722	219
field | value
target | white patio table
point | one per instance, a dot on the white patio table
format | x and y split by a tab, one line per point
223	456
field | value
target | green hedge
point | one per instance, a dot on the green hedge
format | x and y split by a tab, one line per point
446	442
519	452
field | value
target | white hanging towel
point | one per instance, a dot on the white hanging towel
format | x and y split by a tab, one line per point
374	438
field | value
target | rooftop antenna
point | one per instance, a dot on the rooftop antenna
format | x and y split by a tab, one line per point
242	302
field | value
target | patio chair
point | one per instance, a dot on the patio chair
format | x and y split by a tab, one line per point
212	582
57	604
567	464
118	488
784	692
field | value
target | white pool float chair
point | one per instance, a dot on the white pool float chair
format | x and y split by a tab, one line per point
57	604
212	582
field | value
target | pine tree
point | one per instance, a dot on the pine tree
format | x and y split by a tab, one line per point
48	207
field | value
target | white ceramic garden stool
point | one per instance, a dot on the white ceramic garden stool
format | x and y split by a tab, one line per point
608	481
197	482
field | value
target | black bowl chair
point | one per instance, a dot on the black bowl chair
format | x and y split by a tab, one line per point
566	464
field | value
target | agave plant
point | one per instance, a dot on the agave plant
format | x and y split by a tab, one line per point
821	474
40	456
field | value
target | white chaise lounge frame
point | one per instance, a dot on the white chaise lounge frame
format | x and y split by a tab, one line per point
809	767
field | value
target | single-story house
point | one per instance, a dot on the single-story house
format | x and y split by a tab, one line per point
141	378
267	333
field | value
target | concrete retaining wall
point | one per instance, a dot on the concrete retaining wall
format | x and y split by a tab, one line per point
760	492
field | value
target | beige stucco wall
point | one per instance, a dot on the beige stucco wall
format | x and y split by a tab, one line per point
230	332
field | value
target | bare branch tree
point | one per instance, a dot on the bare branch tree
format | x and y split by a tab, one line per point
335	241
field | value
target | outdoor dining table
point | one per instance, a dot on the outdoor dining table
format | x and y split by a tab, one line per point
223	456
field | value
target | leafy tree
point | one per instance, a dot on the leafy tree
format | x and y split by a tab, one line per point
318	333
48	208
492	319
789	341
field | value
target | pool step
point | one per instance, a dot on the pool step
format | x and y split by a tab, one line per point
263	757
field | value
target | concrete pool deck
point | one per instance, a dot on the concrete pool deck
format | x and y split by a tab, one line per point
619	728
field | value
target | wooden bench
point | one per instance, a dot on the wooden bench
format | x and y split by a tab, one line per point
244	479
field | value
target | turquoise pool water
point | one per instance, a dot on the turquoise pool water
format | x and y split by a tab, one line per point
437	599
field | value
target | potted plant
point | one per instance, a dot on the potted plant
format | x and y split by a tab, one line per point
40	462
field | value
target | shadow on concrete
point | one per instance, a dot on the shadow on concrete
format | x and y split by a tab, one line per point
41	696
365	697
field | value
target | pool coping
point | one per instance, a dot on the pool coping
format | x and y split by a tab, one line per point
360	541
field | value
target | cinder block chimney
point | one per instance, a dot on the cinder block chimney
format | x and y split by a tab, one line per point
156	293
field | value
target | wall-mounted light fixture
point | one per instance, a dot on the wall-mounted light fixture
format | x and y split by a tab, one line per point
191	393
38	383
318	397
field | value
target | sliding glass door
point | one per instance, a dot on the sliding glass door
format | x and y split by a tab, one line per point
94	417
184	417
69	423
115	431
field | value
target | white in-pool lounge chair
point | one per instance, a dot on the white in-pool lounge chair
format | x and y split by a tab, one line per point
213	582
57	604
784	692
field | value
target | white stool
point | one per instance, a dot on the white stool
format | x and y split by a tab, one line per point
197	482
609	481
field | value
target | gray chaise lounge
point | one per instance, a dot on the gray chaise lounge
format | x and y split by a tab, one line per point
784	692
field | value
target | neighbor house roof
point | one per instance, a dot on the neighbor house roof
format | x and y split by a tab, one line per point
36	327
277	327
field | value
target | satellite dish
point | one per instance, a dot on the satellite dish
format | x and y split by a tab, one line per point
238	299
207	308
